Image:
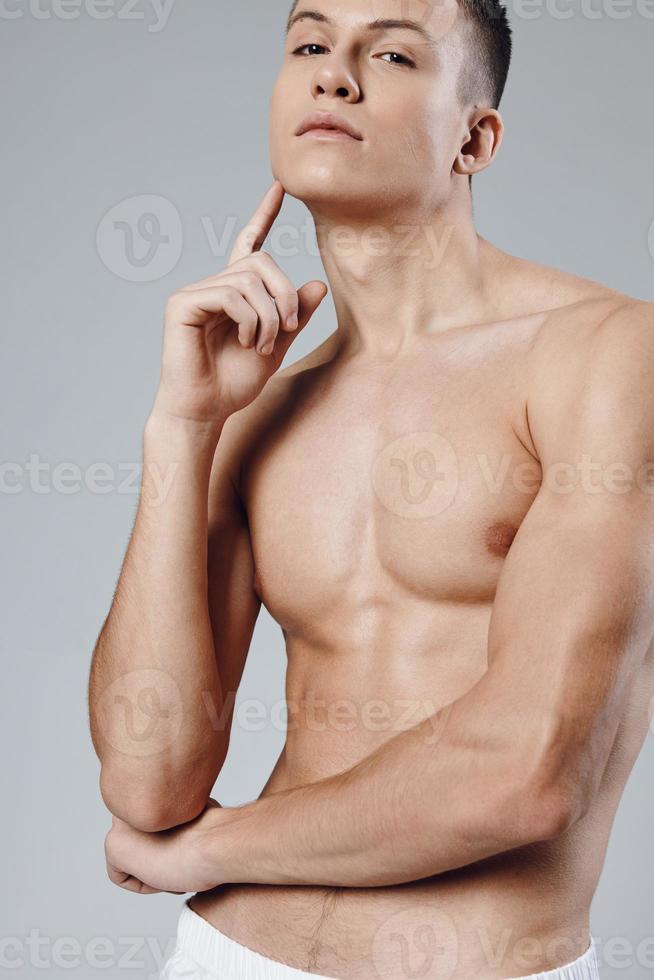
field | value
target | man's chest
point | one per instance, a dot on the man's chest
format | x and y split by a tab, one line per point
373	488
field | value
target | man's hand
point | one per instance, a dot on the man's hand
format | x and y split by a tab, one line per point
167	861
225	336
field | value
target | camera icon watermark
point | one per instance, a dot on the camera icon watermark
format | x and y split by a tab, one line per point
141	238
420	941
416	476
140	713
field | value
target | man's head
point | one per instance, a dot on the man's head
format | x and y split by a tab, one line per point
421	80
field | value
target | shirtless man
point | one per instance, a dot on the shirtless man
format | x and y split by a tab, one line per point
448	507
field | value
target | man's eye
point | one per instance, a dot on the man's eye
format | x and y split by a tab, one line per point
396	54
310	45
393	54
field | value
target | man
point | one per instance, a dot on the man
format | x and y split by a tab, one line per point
448	507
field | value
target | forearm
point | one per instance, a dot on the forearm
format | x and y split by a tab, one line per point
439	796
154	662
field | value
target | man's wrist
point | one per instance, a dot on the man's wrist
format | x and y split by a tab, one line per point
160	422
220	851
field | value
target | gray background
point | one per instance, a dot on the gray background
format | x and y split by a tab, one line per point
97	112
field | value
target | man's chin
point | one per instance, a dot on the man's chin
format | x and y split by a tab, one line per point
332	192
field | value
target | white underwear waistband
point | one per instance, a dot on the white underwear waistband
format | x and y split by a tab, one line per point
203	952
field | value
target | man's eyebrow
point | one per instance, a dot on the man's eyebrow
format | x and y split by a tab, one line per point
381	24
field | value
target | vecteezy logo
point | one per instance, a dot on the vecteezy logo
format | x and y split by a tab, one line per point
140	713
416	476
141	238
419	942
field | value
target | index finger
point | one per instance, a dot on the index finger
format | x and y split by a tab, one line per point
252	236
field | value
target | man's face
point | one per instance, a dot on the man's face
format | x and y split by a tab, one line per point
394	84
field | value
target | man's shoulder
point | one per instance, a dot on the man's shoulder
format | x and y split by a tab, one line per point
580	329
286	382
558	295
571	325
590	358
275	399
314	359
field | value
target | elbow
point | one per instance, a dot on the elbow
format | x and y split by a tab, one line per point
552	802
147	812
551	779
548	814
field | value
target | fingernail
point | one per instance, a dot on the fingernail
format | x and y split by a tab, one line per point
292	321
267	349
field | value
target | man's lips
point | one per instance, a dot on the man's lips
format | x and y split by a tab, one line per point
329	133
327	123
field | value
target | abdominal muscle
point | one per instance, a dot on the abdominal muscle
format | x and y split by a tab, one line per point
517	913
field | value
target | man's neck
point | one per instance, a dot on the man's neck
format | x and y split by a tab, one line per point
397	278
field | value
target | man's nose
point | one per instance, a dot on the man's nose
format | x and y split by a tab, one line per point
334	77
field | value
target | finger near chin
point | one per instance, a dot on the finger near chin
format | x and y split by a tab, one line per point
251	238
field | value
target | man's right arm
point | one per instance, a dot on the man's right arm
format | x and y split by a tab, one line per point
172	649
171	653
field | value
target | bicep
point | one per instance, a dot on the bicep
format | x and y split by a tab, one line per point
573	616
571	623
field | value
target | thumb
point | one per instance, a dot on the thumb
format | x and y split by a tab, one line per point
310	296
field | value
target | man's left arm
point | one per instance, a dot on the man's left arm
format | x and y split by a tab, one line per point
519	758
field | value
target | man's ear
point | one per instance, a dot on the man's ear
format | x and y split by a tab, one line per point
480	143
